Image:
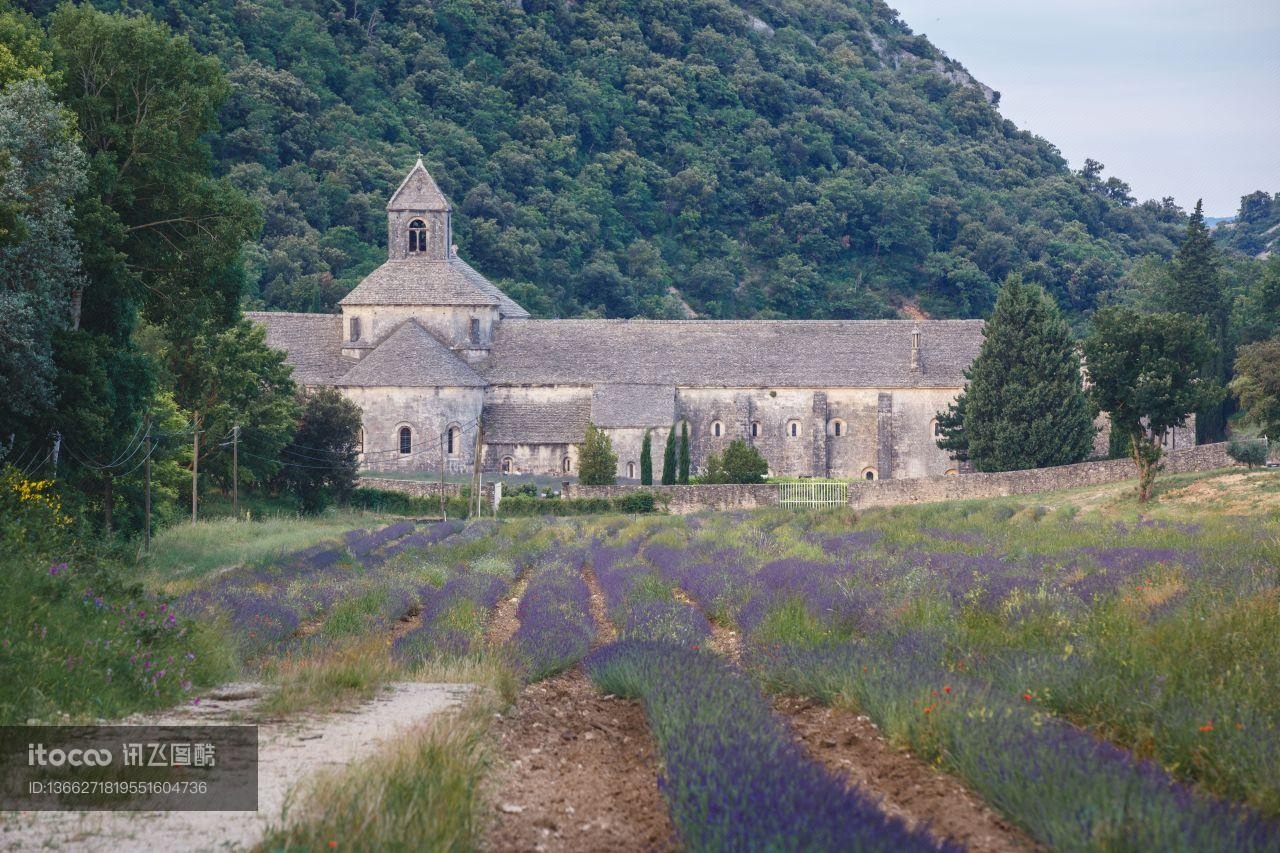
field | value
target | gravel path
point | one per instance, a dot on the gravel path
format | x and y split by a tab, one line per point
291	753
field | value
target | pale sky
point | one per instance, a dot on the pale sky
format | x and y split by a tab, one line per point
1177	97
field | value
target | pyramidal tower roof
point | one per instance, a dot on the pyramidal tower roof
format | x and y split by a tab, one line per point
418	191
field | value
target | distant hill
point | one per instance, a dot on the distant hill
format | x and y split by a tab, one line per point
1255	230
645	157
1215	221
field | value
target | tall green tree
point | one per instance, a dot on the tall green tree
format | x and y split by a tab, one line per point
743	463
1196	289
684	453
1143	371
321	463
646	459
669	459
597	463
1024	404
1257	385
231	378
41	170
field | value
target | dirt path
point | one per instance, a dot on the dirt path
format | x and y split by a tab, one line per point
853	747
503	623
576	770
290	754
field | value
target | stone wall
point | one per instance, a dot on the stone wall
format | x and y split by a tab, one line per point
686	499
862	495
419	488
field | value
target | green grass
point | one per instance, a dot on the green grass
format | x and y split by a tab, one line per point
188	552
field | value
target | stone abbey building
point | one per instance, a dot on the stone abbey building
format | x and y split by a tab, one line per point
444	364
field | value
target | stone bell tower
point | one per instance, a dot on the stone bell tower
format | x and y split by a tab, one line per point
419	219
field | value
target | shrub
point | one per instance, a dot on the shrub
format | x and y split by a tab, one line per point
1248	451
743	463
635	502
597	463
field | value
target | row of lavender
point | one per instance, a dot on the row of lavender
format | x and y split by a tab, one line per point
359	582
733	774
839	620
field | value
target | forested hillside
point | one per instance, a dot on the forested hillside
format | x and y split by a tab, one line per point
1256	228
803	159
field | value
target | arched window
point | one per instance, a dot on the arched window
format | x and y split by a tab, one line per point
793	429
755	429
566	465
451	437
717	429
835	427
951	472
417	236
631	470
355	329
406	440
473	332
508	464
935	429
869	473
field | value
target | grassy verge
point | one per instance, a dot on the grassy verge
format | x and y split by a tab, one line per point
420	792
192	551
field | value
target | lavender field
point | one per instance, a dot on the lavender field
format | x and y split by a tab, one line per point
1101	680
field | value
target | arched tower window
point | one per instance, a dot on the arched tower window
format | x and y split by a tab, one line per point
566	465
755	429
835	427
793	428
631	470
717	429
451	440
417	237
406	440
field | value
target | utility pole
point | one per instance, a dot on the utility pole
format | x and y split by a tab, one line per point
195	464
146	500
235	471
443	512
477	477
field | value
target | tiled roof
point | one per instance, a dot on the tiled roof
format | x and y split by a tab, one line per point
422	281
633	405
507	306
418	191
411	358
733	353
558	422
313	343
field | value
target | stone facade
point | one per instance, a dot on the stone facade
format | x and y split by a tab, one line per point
426	344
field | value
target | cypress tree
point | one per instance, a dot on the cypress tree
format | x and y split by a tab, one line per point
1195	288
597	463
684	454
669	459
646	460
1024	404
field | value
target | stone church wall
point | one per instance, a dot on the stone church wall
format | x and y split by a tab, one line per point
427	412
449	324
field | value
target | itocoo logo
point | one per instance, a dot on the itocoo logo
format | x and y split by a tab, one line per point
38	756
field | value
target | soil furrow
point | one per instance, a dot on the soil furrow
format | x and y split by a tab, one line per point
853	747
576	770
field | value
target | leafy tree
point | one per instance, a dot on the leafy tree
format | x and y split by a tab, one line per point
743	463
1024	404
1196	289
715	470
951	430
41	169
157	230
321	463
646	459
597	463
684	454
1248	451
1257	385
1143	371
669	459
231	378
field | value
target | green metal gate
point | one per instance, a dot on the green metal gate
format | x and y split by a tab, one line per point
813	494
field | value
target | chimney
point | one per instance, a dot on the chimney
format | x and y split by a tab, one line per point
915	348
